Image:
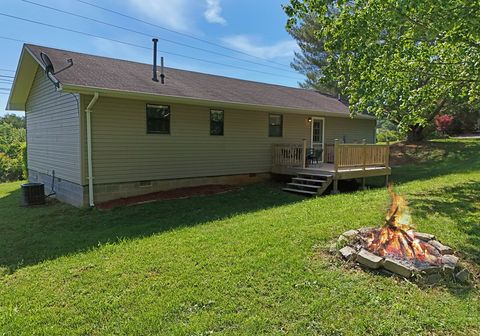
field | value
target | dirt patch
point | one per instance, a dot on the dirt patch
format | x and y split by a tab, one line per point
402	153
167	195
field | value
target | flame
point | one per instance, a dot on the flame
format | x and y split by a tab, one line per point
397	239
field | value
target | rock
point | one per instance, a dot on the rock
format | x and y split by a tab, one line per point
449	259
443	249
463	275
432	269
398	267
350	234
369	259
424	236
348	253
365	230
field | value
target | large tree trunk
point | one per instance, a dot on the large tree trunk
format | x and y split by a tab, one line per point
416	134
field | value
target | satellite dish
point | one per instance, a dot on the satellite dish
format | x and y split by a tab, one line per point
48	63
50	71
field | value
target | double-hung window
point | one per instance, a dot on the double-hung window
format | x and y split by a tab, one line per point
275	125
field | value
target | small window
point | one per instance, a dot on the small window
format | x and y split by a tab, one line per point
158	119
275	125
216	122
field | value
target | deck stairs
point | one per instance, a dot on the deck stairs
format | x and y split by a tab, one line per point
309	184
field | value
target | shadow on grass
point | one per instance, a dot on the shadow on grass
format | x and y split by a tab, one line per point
437	158
461	204
31	235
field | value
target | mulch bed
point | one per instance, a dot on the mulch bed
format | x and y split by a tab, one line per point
167	195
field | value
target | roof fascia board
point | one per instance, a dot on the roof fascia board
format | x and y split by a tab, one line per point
202	102
26	70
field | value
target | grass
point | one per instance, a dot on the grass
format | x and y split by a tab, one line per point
252	261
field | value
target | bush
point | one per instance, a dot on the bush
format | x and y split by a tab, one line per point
443	123
11	169
384	135
12	152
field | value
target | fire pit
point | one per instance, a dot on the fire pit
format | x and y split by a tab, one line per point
397	248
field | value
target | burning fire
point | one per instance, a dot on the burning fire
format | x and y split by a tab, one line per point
397	239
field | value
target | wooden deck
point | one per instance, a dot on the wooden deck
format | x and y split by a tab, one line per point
349	161
329	168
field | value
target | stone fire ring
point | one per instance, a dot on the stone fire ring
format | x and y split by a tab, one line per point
350	247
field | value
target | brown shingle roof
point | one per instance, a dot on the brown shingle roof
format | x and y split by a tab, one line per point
114	74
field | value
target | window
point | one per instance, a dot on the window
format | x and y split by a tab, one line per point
275	125
158	119
216	122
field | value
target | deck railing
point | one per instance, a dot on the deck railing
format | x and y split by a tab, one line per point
341	155
290	155
360	155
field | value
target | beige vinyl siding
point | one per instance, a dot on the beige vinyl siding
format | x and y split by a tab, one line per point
123	151
53	130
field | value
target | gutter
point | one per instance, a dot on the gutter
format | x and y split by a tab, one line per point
88	112
204	102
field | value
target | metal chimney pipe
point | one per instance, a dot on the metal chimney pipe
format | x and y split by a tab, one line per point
155	42
162	74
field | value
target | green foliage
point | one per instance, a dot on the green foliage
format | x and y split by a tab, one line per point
12	148
405	61
387	131
14	120
384	135
311	58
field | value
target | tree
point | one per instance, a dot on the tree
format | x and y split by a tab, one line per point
443	122
14	120
312	57
404	61
12	148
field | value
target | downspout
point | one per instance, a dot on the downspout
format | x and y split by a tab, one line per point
88	112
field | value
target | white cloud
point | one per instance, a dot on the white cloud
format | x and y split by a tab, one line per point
171	13
213	13
248	45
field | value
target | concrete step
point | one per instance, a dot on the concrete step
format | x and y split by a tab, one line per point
299	191
303	185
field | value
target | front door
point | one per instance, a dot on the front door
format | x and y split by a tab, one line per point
317	141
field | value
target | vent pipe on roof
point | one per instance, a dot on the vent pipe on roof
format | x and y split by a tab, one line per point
155	41
162	74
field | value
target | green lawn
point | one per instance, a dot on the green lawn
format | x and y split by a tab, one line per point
252	261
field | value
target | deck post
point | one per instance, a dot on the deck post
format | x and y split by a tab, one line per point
387	156
364	161
335	186
304	154
336	151
387	162
335	157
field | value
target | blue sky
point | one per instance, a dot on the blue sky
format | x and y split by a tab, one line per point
254	27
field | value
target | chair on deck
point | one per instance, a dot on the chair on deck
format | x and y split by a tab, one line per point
313	155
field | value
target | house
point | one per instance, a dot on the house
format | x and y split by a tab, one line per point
101	128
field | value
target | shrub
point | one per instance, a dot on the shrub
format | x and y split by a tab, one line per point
444	122
384	135
12	152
